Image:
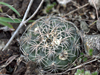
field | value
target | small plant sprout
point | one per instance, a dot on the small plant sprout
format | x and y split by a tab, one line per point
52	42
82	72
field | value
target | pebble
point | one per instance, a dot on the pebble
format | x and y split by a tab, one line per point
84	27
96	2
92	42
98	24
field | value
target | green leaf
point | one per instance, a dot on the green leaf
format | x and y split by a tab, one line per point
3	3
49	7
78	71
4	19
74	64
6	24
31	21
10	20
1	10
91	52
82	71
81	53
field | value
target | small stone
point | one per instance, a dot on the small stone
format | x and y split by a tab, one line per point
95	2
98	24
98	43
84	27
92	42
63	2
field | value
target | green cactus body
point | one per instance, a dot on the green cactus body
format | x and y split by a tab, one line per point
52	42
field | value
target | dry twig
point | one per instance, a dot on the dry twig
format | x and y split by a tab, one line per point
8	61
80	65
95	8
24	21
76	9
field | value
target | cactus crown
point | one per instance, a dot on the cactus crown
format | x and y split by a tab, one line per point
52	42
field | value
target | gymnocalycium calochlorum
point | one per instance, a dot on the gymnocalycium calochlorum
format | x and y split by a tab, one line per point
52	42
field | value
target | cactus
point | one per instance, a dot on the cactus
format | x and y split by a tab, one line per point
52	42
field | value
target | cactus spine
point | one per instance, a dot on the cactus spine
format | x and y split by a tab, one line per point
52	42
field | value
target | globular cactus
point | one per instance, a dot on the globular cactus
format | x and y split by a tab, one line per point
52	42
